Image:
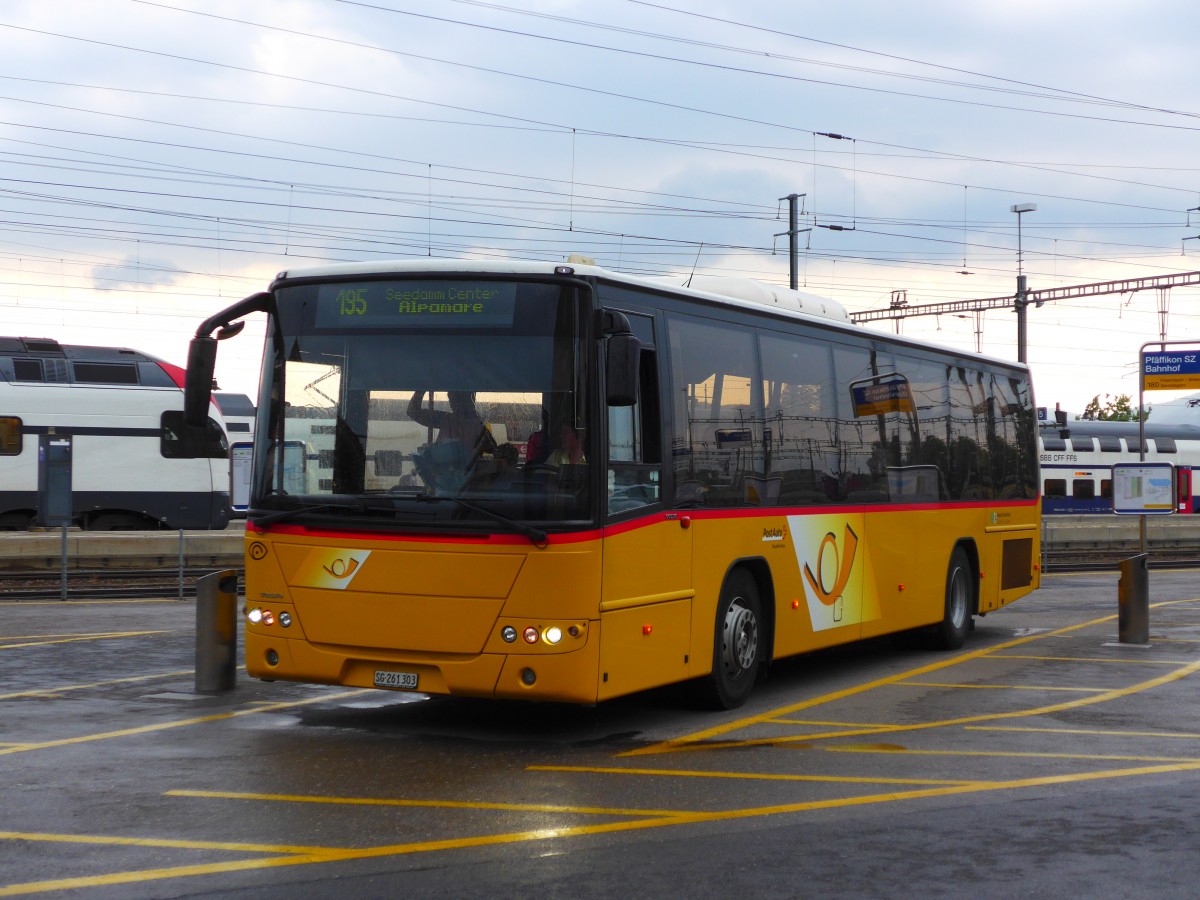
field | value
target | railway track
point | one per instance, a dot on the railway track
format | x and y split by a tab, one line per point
101	584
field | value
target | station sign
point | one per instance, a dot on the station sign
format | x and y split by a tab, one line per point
1169	371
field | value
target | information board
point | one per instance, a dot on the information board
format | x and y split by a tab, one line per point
1143	489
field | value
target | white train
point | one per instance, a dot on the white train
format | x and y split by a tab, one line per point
95	432
1077	457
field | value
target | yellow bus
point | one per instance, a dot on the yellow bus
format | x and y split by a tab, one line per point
557	482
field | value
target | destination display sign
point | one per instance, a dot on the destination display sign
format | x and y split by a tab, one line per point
416	304
1143	488
882	397
1168	371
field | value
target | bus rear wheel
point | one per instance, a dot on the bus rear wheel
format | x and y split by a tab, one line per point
737	643
951	632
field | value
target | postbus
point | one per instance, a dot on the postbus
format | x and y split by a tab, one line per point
749	477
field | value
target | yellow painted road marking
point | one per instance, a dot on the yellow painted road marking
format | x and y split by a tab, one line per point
119	841
181	723
998	687
748	776
428	804
73	640
825	724
690	745
545	834
1120	660
687	742
703	740
46	692
1107	732
1003	754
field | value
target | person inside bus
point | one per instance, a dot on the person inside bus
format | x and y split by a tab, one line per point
462	422
570	448
537	448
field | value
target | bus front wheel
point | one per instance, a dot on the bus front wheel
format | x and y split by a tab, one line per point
737	642
951	632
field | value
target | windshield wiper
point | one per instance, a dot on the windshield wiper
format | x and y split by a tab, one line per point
282	515
536	536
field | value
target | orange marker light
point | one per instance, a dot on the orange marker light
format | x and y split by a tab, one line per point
646	629
795	604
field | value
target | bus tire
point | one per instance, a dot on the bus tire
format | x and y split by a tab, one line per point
737	642
951	632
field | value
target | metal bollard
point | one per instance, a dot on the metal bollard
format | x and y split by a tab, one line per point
1133	600
216	632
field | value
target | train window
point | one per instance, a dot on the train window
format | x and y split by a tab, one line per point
1110	445
1053	443
1106	488
10	436
105	373
1054	487
1083	489
1165	444
1133	447
28	369
1083	444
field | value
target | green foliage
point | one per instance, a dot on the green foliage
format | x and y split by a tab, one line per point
1114	409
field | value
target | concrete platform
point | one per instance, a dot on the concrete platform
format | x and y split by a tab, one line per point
122	549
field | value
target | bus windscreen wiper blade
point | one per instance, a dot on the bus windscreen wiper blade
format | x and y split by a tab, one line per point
282	515
536	536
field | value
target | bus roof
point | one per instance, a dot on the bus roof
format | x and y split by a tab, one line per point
745	293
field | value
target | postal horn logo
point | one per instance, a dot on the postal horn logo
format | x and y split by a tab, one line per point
331	569
342	568
843	564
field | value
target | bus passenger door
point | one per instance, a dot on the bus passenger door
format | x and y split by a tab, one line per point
646	598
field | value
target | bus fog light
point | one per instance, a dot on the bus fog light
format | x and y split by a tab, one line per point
285	619
552	635
508	633
272	658
255	615
531	635
528	676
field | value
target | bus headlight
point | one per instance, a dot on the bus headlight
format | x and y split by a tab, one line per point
552	635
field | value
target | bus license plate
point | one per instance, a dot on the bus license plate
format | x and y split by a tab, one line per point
405	680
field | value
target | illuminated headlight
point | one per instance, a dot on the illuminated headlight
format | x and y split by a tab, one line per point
531	635
552	635
255	615
508	633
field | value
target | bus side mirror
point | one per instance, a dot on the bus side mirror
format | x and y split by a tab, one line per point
623	365
197	389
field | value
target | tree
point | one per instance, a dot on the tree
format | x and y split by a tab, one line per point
1115	409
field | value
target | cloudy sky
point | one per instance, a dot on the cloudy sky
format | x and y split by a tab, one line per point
161	160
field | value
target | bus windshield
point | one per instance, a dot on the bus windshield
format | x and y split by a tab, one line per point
426	402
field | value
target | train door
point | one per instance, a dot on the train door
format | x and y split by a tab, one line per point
1183	490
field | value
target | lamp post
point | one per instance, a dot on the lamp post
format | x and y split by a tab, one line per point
1022	303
